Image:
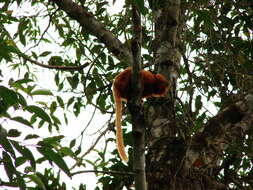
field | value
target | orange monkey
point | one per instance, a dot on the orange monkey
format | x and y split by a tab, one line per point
153	85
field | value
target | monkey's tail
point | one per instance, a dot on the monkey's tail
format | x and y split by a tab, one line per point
119	134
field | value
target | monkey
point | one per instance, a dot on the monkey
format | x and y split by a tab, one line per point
152	85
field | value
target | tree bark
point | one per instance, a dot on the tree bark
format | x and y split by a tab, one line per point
135	107
174	163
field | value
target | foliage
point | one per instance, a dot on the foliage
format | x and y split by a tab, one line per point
25	40
217	63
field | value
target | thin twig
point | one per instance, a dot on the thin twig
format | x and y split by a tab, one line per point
44	32
92	146
103	172
88	124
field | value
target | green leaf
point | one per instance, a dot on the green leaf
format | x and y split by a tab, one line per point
21	100
31	136
22	120
72	143
55	157
53	140
5	143
110	60
140	5
57	79
3	132
13	133
23	24
21	182
65	118
39	112
101	101
56	120
73	81
53	107
22	81
77	108
60	101
78	151
38	181
3	108
20	160
198	103
18	83
45	53
9	96
25	152
70	101
67	151
8	165
41	123
5	52
56	61
42	92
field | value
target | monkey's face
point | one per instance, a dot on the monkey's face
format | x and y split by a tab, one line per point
161	86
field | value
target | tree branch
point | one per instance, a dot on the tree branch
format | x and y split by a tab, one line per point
63	68
135	105
225	128
92	25
103	172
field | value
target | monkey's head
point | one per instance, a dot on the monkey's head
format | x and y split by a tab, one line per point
161	85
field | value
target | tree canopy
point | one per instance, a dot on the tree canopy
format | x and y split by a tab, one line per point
58	60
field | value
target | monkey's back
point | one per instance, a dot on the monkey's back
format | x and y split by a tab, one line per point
152	84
